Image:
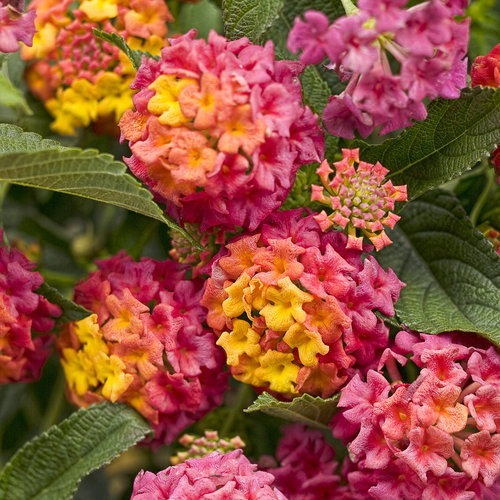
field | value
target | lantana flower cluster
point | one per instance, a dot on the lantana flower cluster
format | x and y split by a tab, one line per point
293	307
358	199
145	344
81	78
434	437
219	130
393	58
22	311
197	447
15	25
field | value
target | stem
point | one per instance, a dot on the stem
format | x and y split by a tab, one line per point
244	392
468	390
478	206
349	7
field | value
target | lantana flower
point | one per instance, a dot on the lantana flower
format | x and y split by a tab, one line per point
82	79
23	312
219	130
145	344
216	475
294	308
358	199
424	42
15	25
439	432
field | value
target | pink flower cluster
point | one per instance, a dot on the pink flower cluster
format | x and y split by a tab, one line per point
358	198
15	26
219	130
424	42
21	312
216	476
436	437
146	344
294	307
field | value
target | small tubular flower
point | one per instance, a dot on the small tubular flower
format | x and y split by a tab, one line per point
424	40
22	312
358	198
216	475
219	130
145	345
15	25
82	79
293	307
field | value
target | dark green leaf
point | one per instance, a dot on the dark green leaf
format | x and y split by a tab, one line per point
51	466
306	409
451	271
455	136
29	160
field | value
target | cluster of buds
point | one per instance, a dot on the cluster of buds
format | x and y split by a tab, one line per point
81	78
15	26
219	130
358	198
216	475
424	41
21	312
294	308
436	437
198	447
145	344
494	237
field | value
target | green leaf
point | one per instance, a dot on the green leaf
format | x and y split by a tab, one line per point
29	160
70	310
50	466
11	96
203	16
451	271
455	136
117	40
250	18
306	409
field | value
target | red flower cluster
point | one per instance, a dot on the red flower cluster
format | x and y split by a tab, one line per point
145	345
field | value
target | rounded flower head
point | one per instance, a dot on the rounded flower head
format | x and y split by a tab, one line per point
219	130
81	78
358	199
145	344
22	311
425	40
216	475
15	26
294	308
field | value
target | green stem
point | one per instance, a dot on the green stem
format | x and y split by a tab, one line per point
56	403
244	392
349	7
478	206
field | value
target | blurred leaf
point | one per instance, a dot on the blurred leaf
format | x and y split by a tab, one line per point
306	409
455	136
451	271
202	16
11	96
51	466
485	28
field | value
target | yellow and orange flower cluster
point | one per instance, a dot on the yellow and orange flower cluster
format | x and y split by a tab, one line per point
81	78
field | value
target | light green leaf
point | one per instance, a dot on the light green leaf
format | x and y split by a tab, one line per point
70	310
306	409
50	466
250	18
29	160
11	96
202	16
451	271
455	136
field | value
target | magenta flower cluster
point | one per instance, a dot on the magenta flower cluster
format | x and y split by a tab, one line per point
21	312
216	476
15	26
393	58
436	437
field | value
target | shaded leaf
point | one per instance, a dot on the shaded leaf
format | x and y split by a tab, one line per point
451	271
51	466
455	136
306	409
11	96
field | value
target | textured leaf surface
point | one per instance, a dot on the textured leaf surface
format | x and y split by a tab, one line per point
451	271
250	18
455	136
29	160
50	466
306	409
